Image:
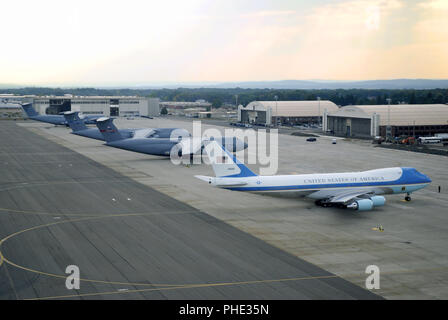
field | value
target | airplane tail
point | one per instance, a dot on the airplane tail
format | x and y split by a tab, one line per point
73	120
108	129
29	110
224	163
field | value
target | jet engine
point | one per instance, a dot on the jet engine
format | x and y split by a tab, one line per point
378	201
367	204
361	205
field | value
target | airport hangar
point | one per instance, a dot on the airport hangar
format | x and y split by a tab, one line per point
123	106
366	121
284	112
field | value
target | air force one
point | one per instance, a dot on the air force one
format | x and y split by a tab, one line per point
54	119
355	190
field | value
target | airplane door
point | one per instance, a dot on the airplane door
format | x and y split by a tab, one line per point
348	131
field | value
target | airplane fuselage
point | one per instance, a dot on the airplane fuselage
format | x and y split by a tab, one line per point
94	133
53	119
321	186
153	146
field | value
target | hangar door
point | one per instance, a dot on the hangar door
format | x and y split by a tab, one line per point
349	127
251	116
59	105
114	108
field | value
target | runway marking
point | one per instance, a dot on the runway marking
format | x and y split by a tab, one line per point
5	260
49	183
187	286
93	214
209	285
1	259
163	286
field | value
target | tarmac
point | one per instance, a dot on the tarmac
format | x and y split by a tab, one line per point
139	227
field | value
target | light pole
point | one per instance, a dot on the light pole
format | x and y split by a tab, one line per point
318	115
276	111
388	129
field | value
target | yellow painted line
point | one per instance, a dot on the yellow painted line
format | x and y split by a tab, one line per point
88	214
65	276
163	286
206	285
49	183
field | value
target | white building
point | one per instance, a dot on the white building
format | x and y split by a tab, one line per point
285	112
373	120
105	105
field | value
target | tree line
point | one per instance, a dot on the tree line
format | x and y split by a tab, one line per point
218	97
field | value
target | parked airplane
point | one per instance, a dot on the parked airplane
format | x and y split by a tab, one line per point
355	190
54	119
159	141
79	127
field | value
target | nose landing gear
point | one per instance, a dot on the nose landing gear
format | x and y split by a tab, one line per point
408	197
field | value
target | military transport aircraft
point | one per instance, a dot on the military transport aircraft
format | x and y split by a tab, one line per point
160	141
79	127
55	119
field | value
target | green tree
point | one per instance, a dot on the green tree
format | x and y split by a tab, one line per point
164	111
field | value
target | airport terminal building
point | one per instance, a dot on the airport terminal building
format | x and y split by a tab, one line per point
284	112
115	106
365	121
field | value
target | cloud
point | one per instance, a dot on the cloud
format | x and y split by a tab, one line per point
435	4
268	13
216	41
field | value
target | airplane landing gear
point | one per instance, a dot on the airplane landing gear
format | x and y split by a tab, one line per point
408	197
324	204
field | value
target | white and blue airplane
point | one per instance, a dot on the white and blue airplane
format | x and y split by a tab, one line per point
355	190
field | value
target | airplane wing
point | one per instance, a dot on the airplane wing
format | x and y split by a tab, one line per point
142	133
348	195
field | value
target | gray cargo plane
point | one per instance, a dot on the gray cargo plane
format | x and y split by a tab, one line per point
53	119
79	127
160	141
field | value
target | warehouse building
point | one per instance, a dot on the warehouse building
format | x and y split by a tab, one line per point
10	111
284	112
123	106
373	120
113	106
181	107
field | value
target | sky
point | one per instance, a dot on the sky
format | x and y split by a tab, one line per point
134	42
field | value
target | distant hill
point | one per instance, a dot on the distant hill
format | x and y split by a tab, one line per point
322	84
282	84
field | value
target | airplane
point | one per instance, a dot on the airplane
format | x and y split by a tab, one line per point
360	191
79	127
53	119
159	141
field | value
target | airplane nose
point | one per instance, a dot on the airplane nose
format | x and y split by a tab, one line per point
428	179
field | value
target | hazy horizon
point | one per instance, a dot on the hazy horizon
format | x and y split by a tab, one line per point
141	43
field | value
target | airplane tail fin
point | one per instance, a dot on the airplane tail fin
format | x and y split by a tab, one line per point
224	163
73	120
29	110
108	129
